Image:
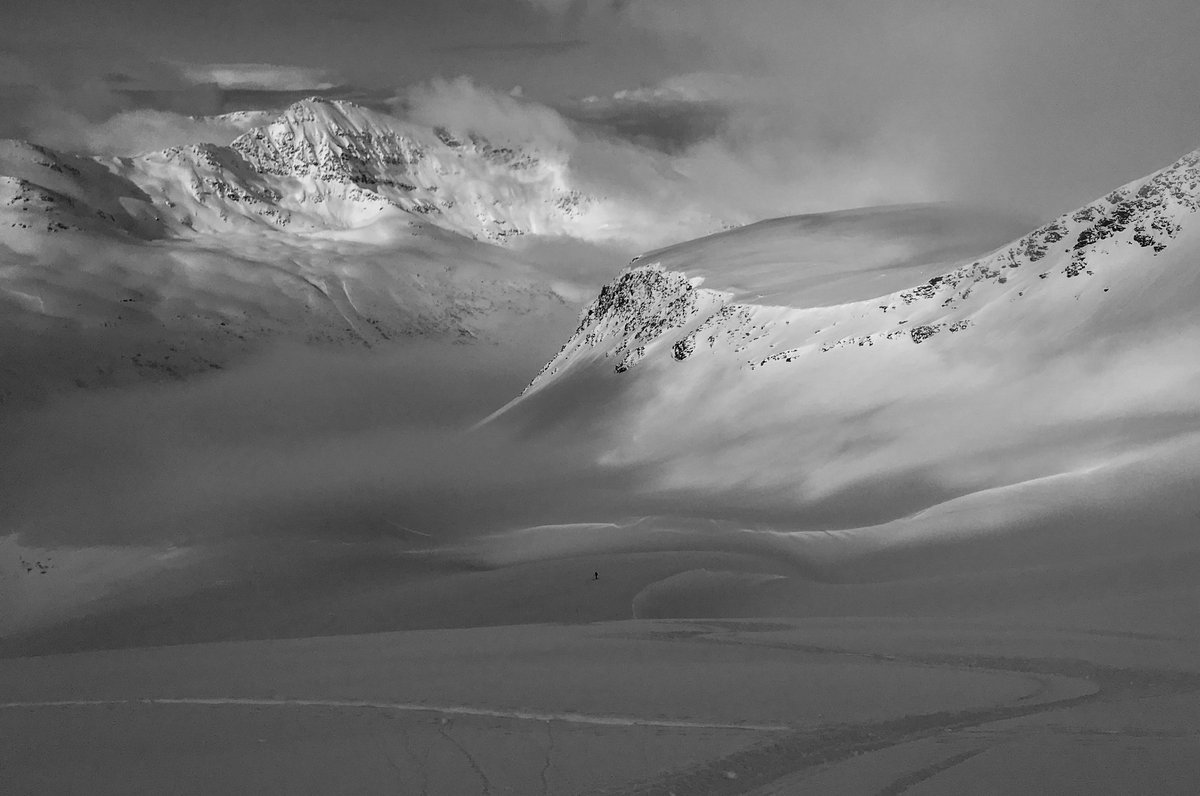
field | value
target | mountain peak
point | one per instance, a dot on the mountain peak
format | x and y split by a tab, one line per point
461	183
332	140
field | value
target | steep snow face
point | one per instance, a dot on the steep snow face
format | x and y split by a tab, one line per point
205	188
45	191
1071	346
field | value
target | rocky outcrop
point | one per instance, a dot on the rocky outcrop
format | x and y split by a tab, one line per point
638	311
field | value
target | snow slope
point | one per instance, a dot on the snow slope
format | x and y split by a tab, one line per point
795	396
44	191
79	309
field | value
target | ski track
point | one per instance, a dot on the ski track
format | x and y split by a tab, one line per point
451	710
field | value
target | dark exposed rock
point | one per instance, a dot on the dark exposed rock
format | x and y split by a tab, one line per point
922	333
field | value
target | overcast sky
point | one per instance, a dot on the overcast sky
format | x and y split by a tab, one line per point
1033	105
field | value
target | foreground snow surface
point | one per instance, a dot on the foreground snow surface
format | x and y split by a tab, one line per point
818	706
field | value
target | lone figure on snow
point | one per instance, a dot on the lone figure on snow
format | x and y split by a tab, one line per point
595	576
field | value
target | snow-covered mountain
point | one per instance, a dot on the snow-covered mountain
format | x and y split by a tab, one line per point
463	184
326	164
778	388
331	223
320	165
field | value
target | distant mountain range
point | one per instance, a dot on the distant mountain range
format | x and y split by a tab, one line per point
320	165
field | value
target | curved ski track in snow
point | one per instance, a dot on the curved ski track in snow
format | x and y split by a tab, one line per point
453	710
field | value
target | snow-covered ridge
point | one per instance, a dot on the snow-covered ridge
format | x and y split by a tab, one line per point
50	192
1096	250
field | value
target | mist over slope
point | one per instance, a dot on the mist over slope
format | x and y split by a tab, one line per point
329	224
314	455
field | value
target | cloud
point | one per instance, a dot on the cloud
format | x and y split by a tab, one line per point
577	14
108	106
463	105
769	107
674	160
263	77
669	116
708	145
743	159
130	132
690	87
525	47
121	106
1025	105
297	444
